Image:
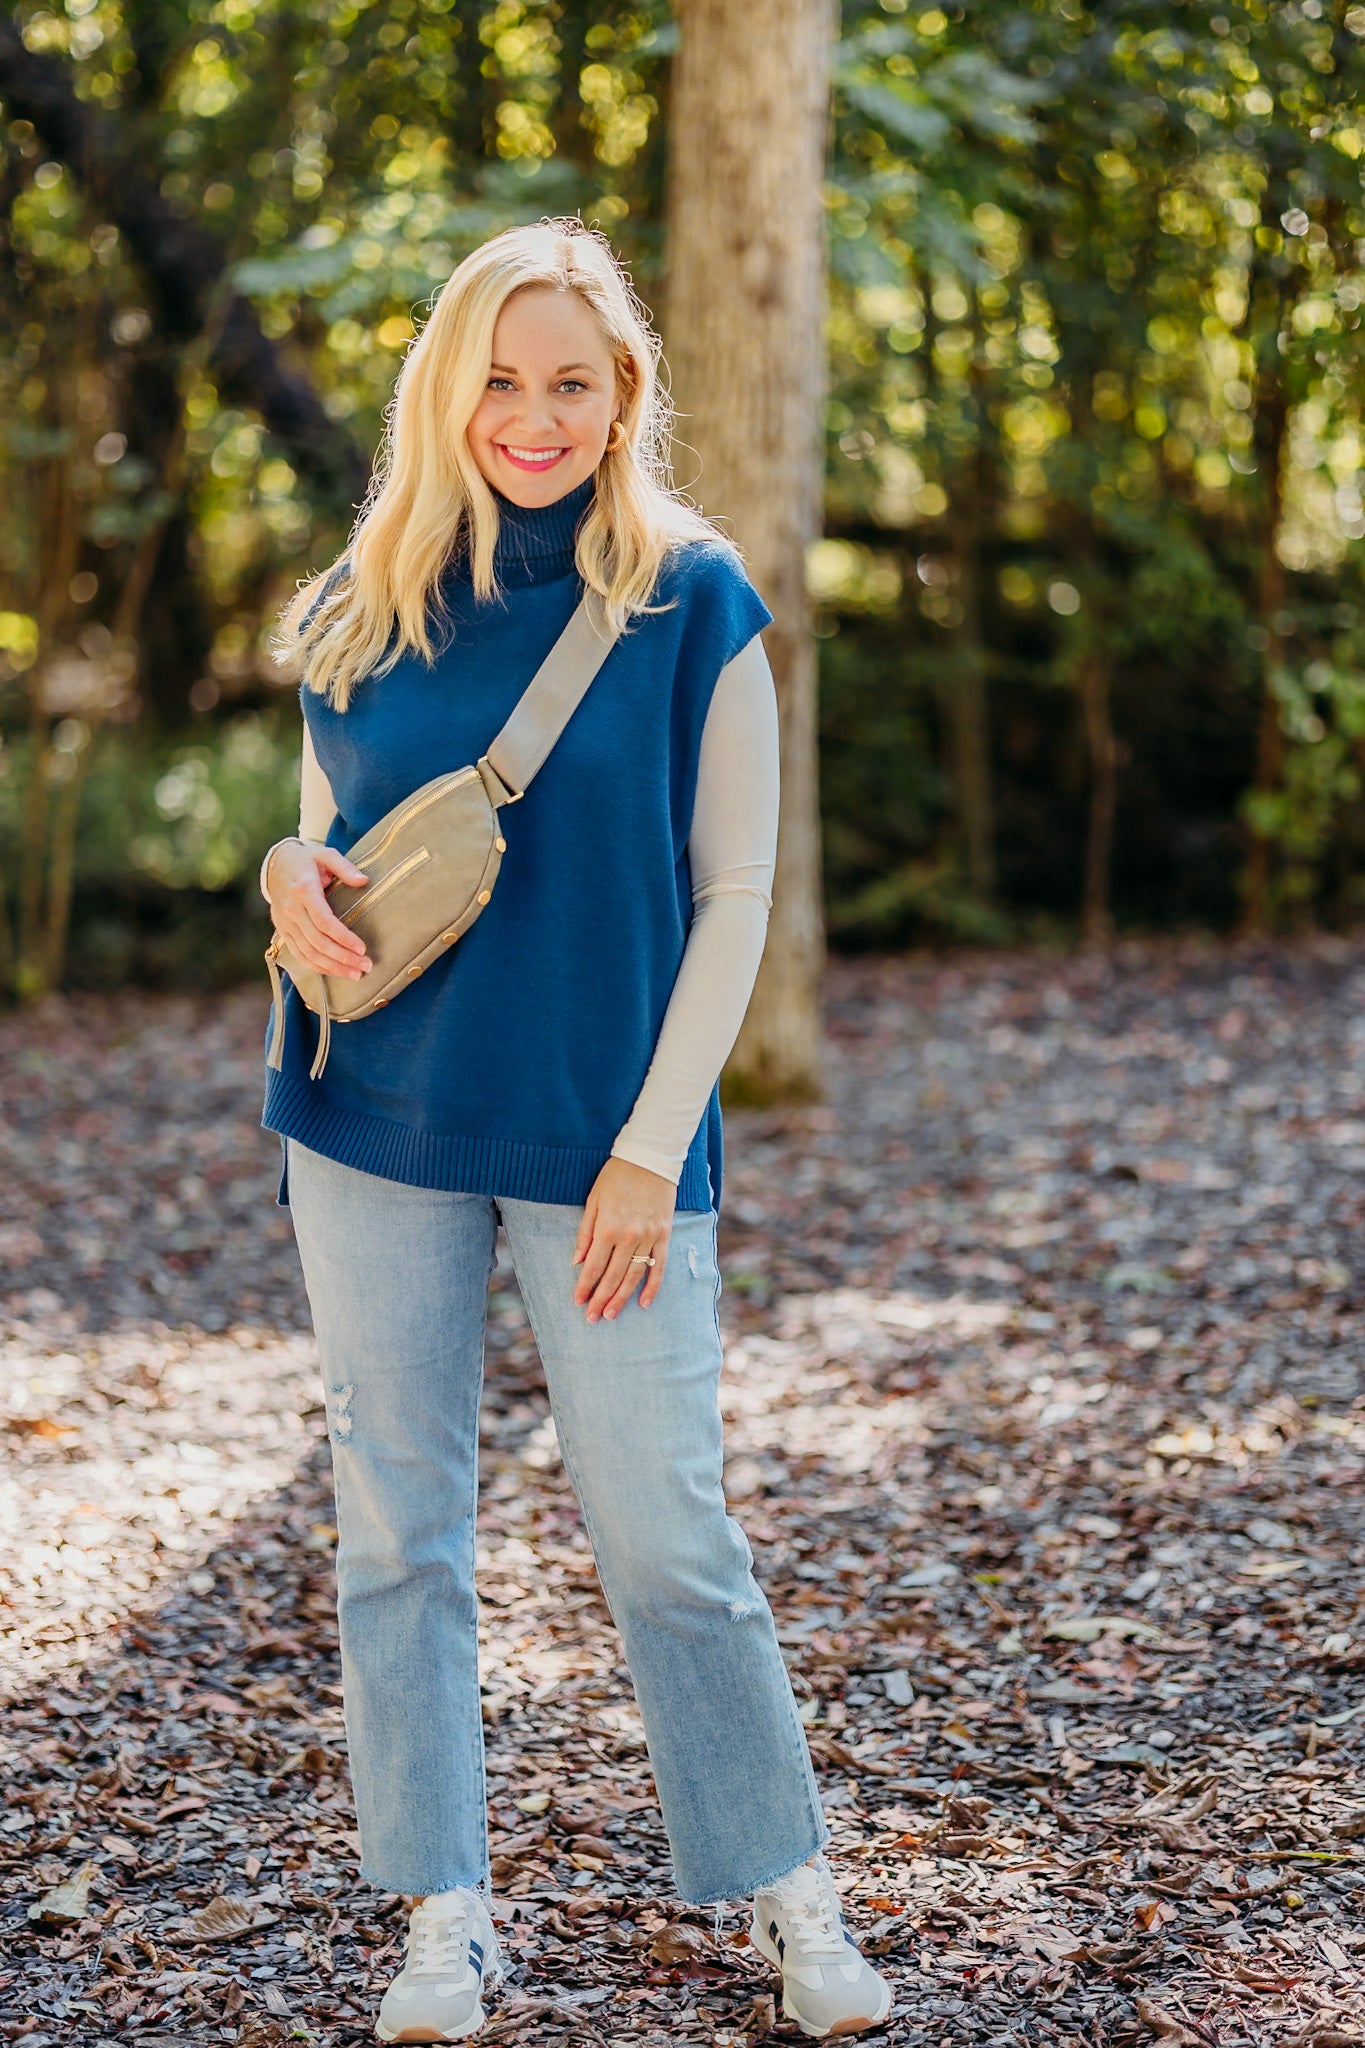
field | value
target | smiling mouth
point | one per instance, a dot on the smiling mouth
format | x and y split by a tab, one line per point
532	458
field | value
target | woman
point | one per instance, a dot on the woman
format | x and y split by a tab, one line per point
556	1071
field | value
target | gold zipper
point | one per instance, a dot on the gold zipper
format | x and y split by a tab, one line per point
386	882
416	807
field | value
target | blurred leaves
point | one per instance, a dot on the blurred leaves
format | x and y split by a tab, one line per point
1094	426
191	815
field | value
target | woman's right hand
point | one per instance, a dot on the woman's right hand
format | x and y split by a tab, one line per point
296	881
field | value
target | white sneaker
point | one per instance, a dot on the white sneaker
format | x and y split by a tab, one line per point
453	1952
827	1985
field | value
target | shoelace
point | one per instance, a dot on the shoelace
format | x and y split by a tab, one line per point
816	1919
436	1941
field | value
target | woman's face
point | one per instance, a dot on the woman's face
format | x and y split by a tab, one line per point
550	399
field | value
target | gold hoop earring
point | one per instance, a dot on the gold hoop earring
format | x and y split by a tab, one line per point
616	437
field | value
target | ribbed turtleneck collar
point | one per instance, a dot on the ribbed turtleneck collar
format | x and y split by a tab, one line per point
536	542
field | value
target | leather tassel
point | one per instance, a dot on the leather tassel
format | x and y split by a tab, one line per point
275	1056
324	1038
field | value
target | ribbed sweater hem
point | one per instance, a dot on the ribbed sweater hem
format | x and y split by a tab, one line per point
456	1162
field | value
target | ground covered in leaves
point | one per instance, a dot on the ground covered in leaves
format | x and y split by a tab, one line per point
1046	1420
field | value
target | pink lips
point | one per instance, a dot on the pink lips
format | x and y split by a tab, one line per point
531	468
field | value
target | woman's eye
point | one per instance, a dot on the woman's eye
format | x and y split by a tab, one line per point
571	384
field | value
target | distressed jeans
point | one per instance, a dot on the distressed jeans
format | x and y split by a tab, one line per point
397	1281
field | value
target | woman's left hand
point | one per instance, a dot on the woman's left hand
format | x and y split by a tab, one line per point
630	1210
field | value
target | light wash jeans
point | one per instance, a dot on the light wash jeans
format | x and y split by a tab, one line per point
397	1279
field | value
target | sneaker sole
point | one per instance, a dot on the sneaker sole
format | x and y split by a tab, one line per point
418	2033
791	2011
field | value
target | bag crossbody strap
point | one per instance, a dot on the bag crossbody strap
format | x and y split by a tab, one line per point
551	697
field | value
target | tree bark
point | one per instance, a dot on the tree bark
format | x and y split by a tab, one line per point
970	499
573	144
60	530
967	708
172	625
1271	420
744	332
1092	676
1270	587
1097	919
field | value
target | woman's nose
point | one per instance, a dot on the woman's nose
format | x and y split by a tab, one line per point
537	413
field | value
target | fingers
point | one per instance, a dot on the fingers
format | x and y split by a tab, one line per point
316	950
585	1231
306	919
619	1281
626	1287
330	932
336	863
612	1271
654	1275
595	1262
320	939
627	1221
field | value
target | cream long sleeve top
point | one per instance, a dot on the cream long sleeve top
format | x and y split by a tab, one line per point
732	851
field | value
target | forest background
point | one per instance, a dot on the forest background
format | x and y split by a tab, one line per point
1090	595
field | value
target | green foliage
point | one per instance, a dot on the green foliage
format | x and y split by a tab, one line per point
1097	277
1094	428
1322	714
169	841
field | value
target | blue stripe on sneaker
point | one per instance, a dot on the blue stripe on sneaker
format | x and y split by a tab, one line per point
476	1955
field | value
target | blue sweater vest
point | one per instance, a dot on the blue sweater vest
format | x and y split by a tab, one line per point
508	1068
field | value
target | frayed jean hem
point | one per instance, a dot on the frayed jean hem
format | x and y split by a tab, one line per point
739	1894
482	1885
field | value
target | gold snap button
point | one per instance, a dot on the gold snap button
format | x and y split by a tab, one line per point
501	845
485	895
412	971
448	938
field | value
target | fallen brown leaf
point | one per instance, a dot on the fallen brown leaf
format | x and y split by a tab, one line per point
763	2014
678	1943
67	1901
1165	2025
224	1920
593	1846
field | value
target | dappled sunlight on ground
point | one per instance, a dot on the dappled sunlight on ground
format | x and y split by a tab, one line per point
130	1456
1044	1417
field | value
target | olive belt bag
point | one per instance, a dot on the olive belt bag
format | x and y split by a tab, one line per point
433	860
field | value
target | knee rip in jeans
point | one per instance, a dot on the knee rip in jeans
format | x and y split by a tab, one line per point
694	1262
340	1419
750	1602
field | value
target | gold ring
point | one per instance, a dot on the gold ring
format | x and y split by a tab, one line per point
642	1259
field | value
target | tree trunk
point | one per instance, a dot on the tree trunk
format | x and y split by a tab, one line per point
968	716
969	719
744	331
573	144
1091	670
1097	921
61	532
1271	420
171	626
1273	288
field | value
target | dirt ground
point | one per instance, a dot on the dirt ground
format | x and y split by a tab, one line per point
1046	1420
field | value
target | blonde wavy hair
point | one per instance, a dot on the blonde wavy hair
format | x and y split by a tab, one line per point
428	498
